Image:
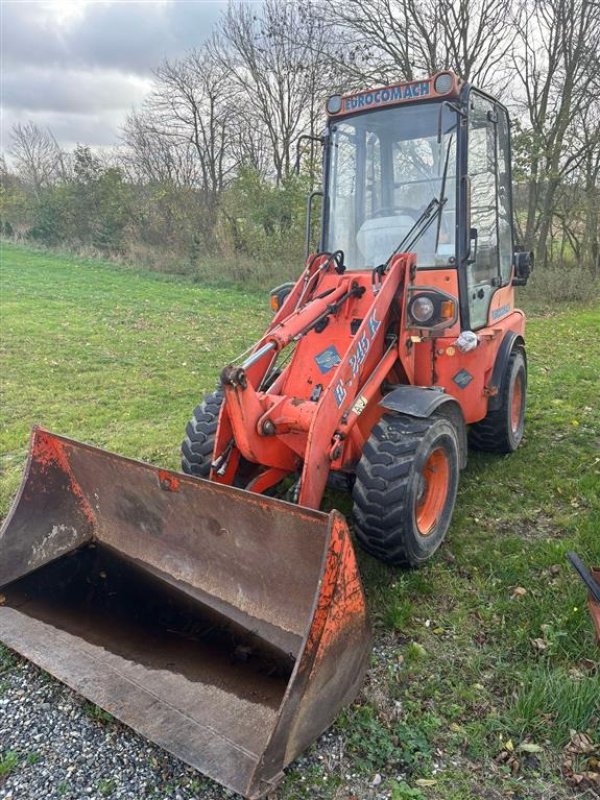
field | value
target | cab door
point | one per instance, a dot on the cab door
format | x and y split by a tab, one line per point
488	163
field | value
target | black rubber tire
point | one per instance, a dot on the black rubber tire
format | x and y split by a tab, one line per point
199	443
389	484
496	433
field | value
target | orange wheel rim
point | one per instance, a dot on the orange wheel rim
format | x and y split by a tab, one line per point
433	491
517	404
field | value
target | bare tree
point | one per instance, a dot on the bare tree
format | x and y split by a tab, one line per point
192	103
153	154
38	157
557	63
278	63
182	135
590	169
389	40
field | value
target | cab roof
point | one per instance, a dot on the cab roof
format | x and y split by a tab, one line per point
443	84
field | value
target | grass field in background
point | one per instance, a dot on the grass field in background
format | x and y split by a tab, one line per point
110	355
485	660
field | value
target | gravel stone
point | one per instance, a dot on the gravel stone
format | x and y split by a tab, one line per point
67	750
65	753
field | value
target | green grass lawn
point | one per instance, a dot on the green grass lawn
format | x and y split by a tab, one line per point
474	687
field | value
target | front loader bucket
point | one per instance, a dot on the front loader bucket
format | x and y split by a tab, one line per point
225	626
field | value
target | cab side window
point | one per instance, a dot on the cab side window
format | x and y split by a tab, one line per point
505	242
483	271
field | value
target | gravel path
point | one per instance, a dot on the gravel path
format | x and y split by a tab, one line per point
67	753
67	750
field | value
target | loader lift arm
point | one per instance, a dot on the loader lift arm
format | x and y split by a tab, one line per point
289	434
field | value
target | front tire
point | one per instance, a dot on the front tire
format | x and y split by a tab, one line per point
501	430
405	489
200	433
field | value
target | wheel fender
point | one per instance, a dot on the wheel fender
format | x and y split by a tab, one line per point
420	401
511	341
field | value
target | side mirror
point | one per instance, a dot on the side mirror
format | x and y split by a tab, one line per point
523	266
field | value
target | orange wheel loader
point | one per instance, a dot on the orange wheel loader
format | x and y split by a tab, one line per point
218	611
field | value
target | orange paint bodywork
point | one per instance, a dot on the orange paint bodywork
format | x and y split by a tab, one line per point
438	362
351	335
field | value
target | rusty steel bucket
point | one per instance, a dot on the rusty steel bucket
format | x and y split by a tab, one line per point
225	626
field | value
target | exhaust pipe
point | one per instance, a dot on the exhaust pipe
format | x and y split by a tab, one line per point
225	626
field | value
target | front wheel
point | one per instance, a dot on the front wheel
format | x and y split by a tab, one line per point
405	489
200	434
501	431
197	448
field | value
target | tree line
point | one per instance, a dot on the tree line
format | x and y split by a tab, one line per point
205	167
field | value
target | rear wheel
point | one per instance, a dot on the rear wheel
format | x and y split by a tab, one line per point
199	443
405	488
501	430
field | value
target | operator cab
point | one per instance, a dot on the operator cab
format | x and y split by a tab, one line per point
425	164
386	167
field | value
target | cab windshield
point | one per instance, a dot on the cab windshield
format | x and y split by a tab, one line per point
385	168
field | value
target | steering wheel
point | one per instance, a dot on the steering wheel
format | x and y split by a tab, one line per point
393	211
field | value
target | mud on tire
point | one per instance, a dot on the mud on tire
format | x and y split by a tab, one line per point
405	488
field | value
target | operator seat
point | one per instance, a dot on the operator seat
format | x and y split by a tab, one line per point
379	236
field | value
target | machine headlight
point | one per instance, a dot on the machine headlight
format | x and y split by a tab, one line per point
443	82
431	308
421	309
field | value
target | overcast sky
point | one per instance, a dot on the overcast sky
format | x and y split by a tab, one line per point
79	66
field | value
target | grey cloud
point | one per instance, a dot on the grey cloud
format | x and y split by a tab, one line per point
122	35
29	36
55	90
138	37
82	75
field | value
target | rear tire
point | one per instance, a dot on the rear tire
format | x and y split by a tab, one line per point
405	489
199	443
501	430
